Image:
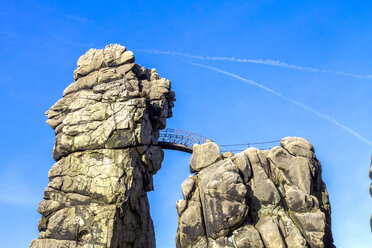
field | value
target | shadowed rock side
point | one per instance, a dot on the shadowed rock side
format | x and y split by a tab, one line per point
255	198
106	128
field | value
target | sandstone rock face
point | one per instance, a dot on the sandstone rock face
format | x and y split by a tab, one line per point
106	126
255	198
204	155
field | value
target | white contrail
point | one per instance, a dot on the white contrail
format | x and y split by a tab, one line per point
254	61
327	117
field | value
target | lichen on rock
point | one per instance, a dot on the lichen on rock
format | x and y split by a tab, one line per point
106	125
255	198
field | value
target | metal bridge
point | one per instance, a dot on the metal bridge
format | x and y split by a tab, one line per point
179	140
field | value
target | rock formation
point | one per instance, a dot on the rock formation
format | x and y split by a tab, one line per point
106	150
256	198
106	126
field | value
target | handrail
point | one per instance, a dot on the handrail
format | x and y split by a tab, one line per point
180	140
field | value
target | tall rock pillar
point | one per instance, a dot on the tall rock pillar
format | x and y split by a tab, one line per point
107	126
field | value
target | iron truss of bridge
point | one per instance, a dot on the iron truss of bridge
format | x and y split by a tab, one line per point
180	140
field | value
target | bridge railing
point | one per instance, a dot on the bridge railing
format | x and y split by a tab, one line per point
181	140
181	137
265	145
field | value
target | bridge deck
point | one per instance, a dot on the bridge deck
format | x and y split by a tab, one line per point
176	147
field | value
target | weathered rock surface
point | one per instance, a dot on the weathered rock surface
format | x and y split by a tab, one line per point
204	155
106	126
255	198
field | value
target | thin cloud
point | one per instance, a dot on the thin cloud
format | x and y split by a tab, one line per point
303	106
269	62
67	41
9	34
77	18
13	190
18	194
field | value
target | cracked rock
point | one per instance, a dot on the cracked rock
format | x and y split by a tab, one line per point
256	198
106	125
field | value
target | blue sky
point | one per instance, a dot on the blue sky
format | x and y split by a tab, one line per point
41	41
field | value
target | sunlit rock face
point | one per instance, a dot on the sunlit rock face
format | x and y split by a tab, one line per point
256	198
106	125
